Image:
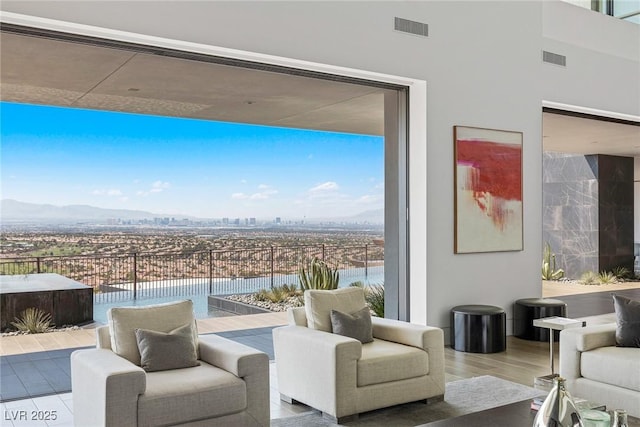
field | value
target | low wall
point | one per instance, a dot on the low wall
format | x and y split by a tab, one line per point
69	302
236	307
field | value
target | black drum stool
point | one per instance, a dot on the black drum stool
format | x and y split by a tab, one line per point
478	329
527	309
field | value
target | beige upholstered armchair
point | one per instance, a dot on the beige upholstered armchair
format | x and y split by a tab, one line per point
150	368
342	376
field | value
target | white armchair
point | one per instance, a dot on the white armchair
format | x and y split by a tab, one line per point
343	377
229	387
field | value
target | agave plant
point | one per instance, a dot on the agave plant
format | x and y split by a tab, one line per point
622	273
590	278
318	275
549	271
607	277
375	298
33	320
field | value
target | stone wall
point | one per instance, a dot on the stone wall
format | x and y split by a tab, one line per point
588	211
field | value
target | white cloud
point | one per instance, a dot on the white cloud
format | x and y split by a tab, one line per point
265	192
368	199
112	192
243	181
159	186
326	186
156	187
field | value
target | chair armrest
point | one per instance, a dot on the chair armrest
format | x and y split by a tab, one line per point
318	368
419	336
105	388
244	362
574	341
234	357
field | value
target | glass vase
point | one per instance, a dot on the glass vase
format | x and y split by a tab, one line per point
620	418
558	409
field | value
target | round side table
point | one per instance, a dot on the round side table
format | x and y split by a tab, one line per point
527	309
478	329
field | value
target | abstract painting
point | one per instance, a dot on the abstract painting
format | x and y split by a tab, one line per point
488	190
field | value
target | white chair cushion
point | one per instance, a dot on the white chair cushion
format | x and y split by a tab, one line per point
123	321
384	361
184	395
318	305
618	366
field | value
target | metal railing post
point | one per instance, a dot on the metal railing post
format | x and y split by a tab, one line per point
366	261
323	252
135	275
38	265
272	262
210	271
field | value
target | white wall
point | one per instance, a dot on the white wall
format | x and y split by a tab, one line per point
636	200
482	64
603	70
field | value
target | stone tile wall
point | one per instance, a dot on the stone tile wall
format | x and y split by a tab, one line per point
588	211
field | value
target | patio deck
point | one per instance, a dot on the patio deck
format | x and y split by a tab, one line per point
86	337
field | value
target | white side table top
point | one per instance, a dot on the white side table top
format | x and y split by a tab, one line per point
557	323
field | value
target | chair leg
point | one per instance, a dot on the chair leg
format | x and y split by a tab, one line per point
287	399
435	399
340	420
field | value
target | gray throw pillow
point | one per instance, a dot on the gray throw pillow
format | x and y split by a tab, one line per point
356	325
161	351
627	321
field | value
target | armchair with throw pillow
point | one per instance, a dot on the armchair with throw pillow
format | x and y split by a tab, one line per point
150	368
338	359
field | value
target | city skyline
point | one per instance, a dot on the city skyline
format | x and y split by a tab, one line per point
68	156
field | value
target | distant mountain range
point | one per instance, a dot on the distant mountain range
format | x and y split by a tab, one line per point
13	210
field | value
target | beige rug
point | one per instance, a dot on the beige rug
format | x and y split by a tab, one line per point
461	397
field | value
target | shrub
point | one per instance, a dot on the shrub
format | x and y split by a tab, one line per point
277	293
318	275
33	320
607	277
622	273
590	278
374	296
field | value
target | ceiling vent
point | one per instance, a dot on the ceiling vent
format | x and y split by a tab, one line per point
411	27
554	58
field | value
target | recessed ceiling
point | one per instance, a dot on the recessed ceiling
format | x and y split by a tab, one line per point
52	72
569	134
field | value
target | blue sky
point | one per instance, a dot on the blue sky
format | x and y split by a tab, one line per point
64	156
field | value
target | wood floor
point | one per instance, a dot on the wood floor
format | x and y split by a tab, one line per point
521	362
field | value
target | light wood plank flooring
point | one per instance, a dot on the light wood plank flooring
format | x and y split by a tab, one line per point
521	362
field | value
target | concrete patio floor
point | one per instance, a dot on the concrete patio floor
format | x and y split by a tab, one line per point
85	336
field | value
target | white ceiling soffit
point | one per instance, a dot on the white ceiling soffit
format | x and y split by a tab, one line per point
570	134
51	72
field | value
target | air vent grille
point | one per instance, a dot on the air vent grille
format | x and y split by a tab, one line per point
412	27
554	58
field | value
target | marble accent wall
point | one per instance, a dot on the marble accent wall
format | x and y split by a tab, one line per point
616	212
588	211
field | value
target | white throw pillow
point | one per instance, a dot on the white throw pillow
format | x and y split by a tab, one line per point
123	321
318	305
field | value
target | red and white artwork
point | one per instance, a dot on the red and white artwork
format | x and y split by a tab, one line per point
488	190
